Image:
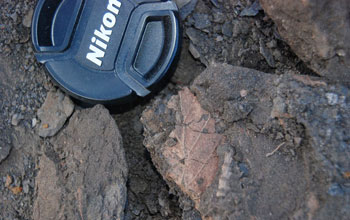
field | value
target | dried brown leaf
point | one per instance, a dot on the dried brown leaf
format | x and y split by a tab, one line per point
193	160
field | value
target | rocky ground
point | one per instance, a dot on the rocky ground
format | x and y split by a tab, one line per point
245	129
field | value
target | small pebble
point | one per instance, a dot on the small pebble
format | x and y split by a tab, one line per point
26	186
16	119
27	19
243	93
193	50
219	38
332	98
34	122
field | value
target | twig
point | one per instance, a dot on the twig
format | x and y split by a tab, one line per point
275	150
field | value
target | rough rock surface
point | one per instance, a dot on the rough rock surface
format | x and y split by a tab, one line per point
54	113
6	92
239	33
17	175
83	171
318	32
20	96
5	148
281	137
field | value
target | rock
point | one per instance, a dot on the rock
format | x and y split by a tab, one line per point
186	7
181	3
267	55
54	113
252	10
5	149
316	35
14	17
26	184
227	29
198	37
201	21
227	123
27	19
218	17
215	3
83	171
5	144
16	119
239	27
193	50
34	122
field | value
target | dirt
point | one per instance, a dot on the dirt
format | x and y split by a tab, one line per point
253	42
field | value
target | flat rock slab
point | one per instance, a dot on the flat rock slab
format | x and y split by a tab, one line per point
54	113
243	144
317	31
5	148
83	171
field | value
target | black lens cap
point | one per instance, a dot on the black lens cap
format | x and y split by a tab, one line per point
104	51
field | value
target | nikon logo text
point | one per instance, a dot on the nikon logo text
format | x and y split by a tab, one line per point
99	42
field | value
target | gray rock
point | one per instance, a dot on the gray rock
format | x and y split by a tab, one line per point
54	113
5	149
285	153
316	35
27	19
16	119
181	3
197	38
267	54
218	17
201	21
239	27
83	171
252	10
186	7
26	184
215	3
227	29
193	50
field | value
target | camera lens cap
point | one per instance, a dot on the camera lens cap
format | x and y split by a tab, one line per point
105	51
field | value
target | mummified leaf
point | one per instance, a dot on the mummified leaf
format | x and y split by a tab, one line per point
193	160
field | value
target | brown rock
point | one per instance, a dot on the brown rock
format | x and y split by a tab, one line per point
317	31
83	172
299	122
54	113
